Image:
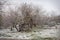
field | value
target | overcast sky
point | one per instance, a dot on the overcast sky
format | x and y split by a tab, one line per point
48	5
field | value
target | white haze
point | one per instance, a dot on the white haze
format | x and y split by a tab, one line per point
47	5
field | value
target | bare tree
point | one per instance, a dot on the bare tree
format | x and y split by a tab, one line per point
31	16
26	11
0	20
13	19
1	11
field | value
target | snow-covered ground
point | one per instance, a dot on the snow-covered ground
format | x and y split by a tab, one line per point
4	33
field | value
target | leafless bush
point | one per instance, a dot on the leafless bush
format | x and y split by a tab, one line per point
56	19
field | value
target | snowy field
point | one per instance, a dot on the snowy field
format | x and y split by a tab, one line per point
44	33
